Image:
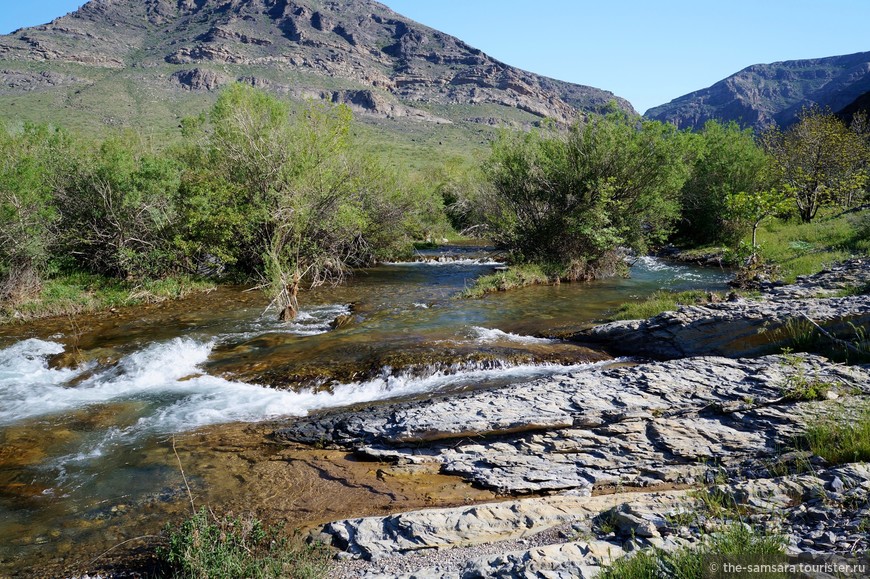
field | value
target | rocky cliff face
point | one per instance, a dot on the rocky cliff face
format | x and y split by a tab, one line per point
299	47
764	94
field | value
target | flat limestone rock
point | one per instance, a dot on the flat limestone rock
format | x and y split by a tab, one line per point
441	543
374	538
651	424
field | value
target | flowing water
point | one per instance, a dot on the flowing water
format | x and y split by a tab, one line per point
88	405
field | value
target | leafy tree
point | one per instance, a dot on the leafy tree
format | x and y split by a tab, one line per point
572	198
117	215
288	198
727	162
818	161
30	161
753	207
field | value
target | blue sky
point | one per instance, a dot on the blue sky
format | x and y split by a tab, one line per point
644	50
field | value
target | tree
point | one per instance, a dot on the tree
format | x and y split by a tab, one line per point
572	198
30	162
287	198
818	161
753	207
117	213
726	162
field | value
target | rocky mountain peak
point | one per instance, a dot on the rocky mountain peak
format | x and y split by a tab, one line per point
765	94
312	44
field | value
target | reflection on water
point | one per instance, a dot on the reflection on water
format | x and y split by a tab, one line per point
87	408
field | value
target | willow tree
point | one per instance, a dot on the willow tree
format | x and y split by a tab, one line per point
819	161
284	197
571	198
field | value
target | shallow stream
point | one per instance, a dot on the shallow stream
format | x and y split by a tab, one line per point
89	406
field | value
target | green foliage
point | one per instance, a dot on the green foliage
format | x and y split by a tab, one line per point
753	207
571	198
117	215
727	162
30	161
660	301
291	199
842	438
459	184
735	540
207	547
818	162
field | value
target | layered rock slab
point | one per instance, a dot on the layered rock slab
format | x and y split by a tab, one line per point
747	327
821	504
650	424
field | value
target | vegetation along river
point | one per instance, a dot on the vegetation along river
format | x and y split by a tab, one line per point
90	407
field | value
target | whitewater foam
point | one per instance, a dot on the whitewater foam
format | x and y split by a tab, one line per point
436	261
175	395
487	335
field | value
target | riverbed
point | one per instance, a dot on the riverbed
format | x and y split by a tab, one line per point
91	407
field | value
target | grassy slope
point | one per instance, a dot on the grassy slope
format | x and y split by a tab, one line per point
145	99
806	248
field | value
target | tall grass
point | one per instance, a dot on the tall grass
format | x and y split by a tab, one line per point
660	301
806	248
516	276
841	439
82	292
735	540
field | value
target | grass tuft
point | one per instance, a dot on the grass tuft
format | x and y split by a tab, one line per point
81	293
661	301
207	547
734	540
516	276
841	441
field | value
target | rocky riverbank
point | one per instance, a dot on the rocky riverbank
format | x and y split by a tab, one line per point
606	455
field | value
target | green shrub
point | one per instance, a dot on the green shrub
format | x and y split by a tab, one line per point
207	547
727	161
572	198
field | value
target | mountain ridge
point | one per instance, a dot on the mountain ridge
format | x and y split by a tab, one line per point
355	51
764	94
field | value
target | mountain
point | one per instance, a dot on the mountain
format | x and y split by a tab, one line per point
860	104
764	94
150	62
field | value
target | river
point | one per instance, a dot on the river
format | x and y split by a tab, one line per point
89	405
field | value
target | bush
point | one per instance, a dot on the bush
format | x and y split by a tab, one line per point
117	213
30	161
572	198
291	199
206	547
726	162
